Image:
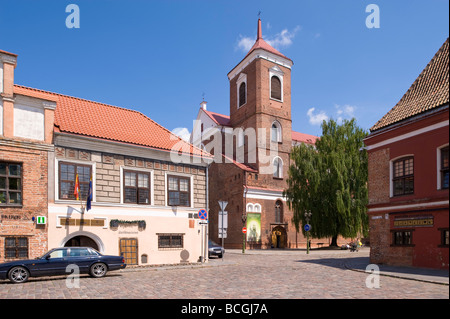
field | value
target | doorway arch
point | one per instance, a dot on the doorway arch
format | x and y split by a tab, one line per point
279	237
85	239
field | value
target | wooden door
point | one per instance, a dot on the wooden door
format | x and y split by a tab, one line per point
128	248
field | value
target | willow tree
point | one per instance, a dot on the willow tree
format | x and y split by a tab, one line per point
330	180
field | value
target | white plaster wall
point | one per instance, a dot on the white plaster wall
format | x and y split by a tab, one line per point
28	121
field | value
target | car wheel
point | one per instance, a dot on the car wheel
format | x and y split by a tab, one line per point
98	270
18	275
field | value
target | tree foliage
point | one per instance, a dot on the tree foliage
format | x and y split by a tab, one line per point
330	180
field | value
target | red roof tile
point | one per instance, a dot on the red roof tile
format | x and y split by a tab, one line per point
219	119
261	44
304	138
99	120
429	90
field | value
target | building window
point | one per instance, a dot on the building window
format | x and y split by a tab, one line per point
276	132
277	167
129	250
444	237
67	175
275	88
403	176
402	238
178	190
444	168
170	241
16	248
136	187
10	184
242	94
278	212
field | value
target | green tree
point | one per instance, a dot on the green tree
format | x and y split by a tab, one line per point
330	180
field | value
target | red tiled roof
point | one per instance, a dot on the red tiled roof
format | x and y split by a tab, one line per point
5	52
219	119
430	90
261	44
99	120
304	138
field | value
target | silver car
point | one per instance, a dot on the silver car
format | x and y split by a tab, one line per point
215	249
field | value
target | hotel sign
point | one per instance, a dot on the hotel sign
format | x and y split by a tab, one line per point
81	222
414	221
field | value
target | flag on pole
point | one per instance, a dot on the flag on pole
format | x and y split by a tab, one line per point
89	196
76	191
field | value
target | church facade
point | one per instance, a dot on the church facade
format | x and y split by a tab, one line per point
251	149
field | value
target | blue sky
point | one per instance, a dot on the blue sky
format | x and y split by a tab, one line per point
159	57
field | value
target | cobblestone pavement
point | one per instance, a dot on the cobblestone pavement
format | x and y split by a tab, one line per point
262	275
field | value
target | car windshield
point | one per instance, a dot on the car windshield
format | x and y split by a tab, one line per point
212	244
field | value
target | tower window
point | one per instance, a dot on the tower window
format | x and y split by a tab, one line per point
277	168
275	88
242	95
276	132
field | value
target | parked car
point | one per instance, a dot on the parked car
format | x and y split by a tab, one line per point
56	261
215	249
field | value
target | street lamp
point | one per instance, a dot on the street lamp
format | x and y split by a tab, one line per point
307	228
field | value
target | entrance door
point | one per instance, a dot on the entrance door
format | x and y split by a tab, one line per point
129	250
278	237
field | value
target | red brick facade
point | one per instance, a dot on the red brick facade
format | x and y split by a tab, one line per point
408	174
23	168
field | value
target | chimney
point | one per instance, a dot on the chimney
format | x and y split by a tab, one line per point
203	105
8	63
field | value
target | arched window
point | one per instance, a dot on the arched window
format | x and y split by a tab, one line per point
276	132
277	167
242	95
275	88
278	212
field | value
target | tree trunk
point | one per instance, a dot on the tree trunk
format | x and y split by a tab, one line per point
334	241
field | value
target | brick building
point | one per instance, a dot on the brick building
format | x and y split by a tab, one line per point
409	173
147	184
26	134
251	150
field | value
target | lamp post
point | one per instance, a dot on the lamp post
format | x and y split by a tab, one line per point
307	228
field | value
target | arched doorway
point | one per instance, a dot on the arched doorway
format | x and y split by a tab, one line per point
81	241
279	237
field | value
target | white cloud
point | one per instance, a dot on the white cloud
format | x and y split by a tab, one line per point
280	40
182	132
283	39
245	43
344	112
318	118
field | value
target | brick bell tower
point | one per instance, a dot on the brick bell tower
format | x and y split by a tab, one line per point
260	98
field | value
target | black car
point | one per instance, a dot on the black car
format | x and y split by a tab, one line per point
215	249
56	261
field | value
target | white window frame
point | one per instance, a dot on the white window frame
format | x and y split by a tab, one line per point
438	166
93	172
276	71
281	167
166	184
152	184
391	172
279	132
241	79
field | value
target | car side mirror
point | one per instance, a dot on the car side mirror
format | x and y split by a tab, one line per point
47	257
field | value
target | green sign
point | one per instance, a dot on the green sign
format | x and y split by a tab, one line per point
253	227
41	220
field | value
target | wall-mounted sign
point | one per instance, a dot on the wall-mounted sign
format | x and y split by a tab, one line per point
81	222
41	220
414	221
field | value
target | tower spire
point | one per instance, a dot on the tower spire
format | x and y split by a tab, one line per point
259	33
